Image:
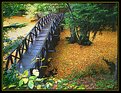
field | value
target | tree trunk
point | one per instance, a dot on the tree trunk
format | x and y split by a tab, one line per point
84	38
73	37
70	11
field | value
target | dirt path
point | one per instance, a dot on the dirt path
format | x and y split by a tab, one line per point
70	57
14	33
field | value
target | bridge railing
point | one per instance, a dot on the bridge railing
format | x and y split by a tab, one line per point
17	53
50	42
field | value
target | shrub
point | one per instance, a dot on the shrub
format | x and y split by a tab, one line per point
10	78
106	84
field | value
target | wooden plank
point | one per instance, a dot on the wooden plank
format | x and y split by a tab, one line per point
42	35
40	39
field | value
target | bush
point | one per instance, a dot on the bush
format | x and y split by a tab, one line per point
11	45
11	9
24	81
106	84
10	78
95	69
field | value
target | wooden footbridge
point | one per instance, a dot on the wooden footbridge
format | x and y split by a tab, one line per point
32	52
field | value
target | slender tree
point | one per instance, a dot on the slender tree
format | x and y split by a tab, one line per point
86	18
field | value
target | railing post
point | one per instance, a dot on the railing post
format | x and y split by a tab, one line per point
7	63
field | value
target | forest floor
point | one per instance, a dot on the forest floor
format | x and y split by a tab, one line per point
74	57
69	59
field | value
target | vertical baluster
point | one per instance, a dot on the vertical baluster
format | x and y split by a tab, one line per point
42	23
22	47
26	44
20	53
35	32
45	20
11	59
31	38
49	40
46	46
16	55
39	27
7	63
37	63
28	39
42	52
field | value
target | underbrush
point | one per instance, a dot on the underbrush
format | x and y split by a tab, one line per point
96	75
11	45
99	79
8	44
17	81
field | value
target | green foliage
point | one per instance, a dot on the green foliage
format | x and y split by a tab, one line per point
76	74
91	17
31	10
21	82
42	8
15	26
12	45
11	9
5	39
8	44
106	84
92	70
10	78
31	84
24	81
95	69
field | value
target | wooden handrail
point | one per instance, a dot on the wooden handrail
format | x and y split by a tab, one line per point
24	44
24	38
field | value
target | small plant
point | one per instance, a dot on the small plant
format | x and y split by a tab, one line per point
106	84
76	74
11	45
24	81
95	69
10	78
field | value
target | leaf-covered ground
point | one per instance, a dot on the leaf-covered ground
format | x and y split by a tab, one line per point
70	59
14	33
73	57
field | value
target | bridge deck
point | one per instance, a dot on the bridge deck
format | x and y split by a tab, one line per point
41	40
26	62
